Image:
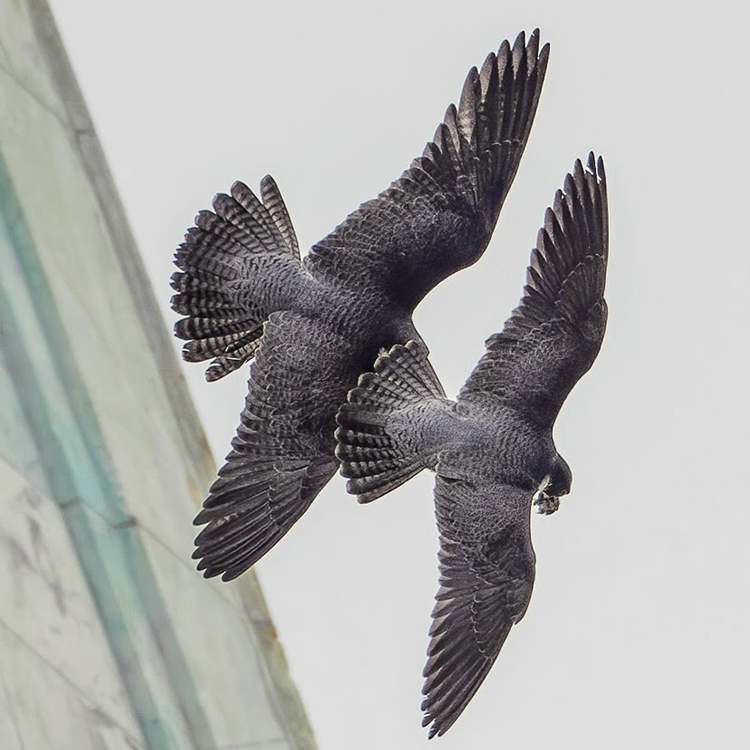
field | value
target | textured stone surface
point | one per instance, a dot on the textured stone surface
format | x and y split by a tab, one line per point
109	638
46	600
22	60
49	711
223	654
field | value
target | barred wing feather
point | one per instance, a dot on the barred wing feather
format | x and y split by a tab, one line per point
438	217
553	336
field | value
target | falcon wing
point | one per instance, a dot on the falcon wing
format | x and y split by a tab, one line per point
554	335
438	217
283	453
487	568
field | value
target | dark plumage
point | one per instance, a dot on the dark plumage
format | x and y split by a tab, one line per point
492	449
315	325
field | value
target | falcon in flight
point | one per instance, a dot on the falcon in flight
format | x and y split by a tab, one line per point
491	449
314	325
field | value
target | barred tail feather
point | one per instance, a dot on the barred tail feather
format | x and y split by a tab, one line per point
371	457
217	284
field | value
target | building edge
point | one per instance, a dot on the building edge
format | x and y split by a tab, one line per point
287	703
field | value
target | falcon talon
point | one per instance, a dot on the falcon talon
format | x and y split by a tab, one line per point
546	505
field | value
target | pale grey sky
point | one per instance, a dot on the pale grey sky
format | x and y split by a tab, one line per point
637	630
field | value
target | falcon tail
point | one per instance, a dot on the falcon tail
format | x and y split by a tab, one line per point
387	403
237	266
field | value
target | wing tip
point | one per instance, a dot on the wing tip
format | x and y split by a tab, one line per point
519	43
543	57
438	725
530	49
268	182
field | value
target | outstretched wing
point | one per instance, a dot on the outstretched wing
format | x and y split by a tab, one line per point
438	217
487	568
554	335
283	453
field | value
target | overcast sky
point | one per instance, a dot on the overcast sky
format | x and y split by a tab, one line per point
637	632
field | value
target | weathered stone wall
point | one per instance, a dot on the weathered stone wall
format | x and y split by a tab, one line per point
108	636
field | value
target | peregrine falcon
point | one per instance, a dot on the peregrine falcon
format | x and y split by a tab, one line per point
492	449
314	325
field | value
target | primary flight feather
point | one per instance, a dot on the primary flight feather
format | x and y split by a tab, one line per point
314	325
491	449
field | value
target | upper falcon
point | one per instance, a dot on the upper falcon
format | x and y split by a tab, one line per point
314	325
